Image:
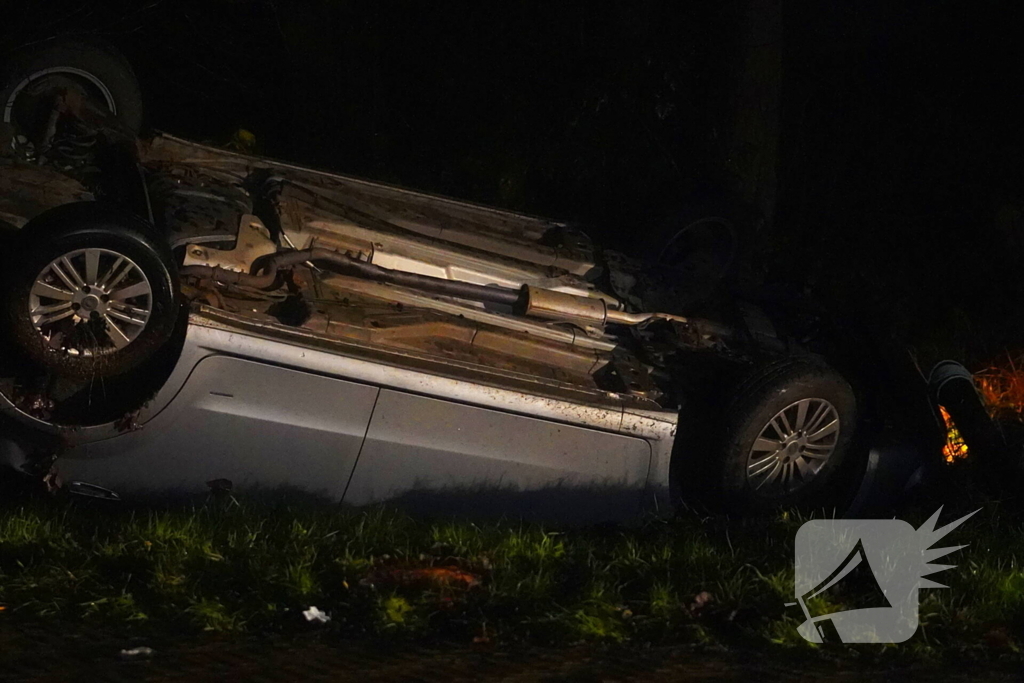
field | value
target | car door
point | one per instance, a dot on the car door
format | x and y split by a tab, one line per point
441	456
254	424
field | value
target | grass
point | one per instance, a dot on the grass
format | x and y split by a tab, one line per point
253	566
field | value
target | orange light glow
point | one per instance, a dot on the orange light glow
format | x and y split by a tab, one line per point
1002	388
955	447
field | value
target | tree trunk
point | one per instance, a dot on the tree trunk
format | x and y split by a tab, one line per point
752	141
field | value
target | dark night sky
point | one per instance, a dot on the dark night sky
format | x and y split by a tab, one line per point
900	150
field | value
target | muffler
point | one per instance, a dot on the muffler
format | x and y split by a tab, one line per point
585	311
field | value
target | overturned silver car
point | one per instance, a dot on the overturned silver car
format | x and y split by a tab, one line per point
176	314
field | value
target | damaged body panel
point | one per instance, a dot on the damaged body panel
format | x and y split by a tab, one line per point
268	417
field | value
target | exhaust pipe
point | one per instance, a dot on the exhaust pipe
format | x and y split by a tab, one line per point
348	265
534	302
582	310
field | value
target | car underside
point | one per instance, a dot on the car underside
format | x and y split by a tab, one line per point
515	297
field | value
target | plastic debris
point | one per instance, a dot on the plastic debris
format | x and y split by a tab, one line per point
138	652
314	614
701	601
242	141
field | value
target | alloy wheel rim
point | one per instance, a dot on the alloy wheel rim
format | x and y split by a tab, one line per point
40	77
793	447
90	302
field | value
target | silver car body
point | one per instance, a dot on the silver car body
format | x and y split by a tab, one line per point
383	393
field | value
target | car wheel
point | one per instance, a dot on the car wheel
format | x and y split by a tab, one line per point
704	238
35	76
703	246
87	294
785	437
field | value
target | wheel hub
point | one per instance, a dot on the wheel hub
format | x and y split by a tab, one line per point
98	286
91	303
793	447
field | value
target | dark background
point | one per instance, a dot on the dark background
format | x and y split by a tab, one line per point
876	147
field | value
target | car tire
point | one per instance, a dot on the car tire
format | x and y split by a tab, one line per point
707	235
89	292
699	243
784	439
96	67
